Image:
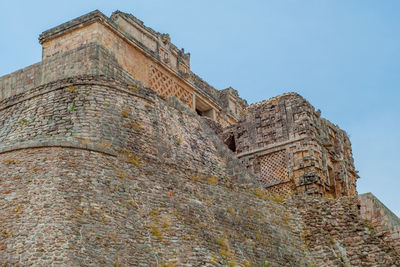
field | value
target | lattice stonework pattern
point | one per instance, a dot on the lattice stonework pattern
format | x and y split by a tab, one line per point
273	168
184	95
166	86
283	190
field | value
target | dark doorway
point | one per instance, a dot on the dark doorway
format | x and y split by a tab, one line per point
230	142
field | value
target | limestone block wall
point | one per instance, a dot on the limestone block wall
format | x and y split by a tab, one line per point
292	150
96	171
382	220
136	60
336	234
232	104
132	59
89	59
145	54
159	43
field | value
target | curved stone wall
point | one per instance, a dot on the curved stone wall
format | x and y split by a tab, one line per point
97	172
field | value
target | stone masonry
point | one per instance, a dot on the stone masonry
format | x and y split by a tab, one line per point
292	150
148	56
113	153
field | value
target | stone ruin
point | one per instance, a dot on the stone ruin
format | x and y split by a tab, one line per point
282	140
114	153
292	150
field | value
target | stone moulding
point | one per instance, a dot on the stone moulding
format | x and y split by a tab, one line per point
97	16
215	99
89	59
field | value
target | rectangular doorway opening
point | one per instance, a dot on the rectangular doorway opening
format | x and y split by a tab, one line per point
204	109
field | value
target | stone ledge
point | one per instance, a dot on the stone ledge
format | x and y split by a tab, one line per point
71	25
89	59
139	90
65	142
271	148
201	86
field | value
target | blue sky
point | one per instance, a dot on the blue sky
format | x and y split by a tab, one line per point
342	55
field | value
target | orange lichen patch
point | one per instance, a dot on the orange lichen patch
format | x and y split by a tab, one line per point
212	180
130	157
83	141
121	174
125	111
133	88
11	161
104	145
155	230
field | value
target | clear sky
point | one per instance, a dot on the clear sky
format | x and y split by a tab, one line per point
342	55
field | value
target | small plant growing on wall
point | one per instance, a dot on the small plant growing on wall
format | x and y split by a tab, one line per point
243	113
125	112
72	108
130	157
121	26
370	227
179	141
136	126
155	231
71	88
133	88
23	122
11	161
167	37
212	180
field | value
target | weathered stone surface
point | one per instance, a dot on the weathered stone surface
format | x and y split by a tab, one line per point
148	56
89	59
98	168
336	234
383	221
109	175
292	150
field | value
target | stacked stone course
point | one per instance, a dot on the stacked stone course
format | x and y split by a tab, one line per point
95	185
148	56
336	233
381	219
98	168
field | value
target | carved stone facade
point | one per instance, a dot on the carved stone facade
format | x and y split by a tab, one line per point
148	56
165	85
283	140
104	161
292	150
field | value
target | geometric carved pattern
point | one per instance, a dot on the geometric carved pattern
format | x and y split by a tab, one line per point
273	169
282	190
184	95
165	86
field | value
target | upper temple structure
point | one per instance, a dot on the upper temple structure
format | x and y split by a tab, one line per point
149	57
292	150
283	141
114	153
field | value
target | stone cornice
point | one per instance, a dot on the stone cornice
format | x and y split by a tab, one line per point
267	149
72	25
97	16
